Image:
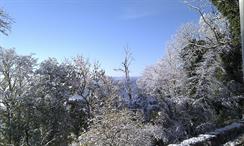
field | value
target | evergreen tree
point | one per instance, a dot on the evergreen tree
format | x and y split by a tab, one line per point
232	60
192	56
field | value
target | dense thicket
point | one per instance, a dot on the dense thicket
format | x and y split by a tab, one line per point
38	104
232	60
198	82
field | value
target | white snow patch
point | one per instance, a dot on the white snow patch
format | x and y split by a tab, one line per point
2	105
200	138
194	140
76	98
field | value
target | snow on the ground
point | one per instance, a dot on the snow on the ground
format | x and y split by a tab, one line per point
76	98
194	140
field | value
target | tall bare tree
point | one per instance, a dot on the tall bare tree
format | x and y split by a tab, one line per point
125	69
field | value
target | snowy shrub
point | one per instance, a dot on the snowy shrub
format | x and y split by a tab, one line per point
117	128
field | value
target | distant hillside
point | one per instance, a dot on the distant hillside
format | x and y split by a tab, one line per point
122	78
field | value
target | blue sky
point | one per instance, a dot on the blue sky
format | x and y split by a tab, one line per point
96	29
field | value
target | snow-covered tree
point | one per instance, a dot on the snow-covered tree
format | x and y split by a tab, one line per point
163	78
118	128
64	117
16	72
200	76
125	69
5	22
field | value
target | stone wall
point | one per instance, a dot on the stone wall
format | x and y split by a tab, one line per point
216	138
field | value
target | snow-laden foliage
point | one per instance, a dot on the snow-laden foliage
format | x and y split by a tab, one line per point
35	99
117	128
163	78
16	73
114	124
5	22
193	67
